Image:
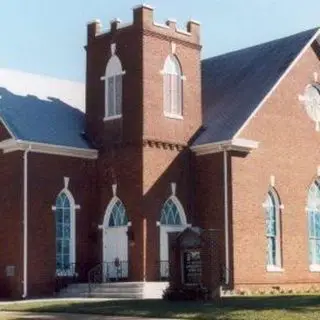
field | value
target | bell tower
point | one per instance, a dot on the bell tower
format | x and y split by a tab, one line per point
143	106
142	80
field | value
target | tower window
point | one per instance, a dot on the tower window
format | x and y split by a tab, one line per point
172	87
113	88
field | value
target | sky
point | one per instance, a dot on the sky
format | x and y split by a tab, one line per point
47	36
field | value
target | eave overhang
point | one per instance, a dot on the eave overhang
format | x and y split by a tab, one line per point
241	145
11	145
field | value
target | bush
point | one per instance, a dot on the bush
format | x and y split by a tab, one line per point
186	293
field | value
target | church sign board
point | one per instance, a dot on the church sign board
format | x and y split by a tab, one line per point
191	266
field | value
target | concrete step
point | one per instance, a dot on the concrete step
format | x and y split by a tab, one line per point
112	290
115	295
123	290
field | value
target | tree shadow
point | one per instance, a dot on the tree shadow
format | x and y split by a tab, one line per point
228	307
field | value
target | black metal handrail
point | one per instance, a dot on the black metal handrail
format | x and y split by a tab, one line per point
66	274
107	272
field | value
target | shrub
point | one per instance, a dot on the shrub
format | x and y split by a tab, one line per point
187	293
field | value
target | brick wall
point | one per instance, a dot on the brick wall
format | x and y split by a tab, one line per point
289	150
209	191
161	168
122	165
11	226
156	48
46	179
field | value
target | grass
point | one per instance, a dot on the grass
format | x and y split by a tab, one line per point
233	308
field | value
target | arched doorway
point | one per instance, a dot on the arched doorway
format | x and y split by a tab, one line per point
173	219
115	241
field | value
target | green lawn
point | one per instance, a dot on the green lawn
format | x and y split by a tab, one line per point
249	308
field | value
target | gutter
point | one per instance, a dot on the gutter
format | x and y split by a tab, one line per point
11	145
25	222
237	144
226	216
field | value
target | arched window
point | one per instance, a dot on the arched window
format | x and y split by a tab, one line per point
172	87
172	213
65	232
115	214
313	208
273	230
118	215
113	88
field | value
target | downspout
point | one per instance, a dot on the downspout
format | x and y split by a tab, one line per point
25	222
226	216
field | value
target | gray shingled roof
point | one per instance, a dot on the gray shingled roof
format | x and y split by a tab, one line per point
234	84
48	121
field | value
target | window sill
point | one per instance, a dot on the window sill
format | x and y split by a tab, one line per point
173	116
271	268
314	267
67	273
118	116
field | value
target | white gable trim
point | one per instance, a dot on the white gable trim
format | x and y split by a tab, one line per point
11	145
7	127
243	145
291	66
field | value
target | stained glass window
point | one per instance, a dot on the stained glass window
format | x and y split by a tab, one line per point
170	214
172	86
63	232
118	215
272	212
314	223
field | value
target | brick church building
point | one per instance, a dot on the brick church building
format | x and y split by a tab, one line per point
162	142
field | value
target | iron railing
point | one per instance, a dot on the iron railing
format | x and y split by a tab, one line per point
107	272
66	274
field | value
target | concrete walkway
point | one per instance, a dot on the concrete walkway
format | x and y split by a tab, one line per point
62	316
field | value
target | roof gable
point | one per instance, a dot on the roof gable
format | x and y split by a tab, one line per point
234	84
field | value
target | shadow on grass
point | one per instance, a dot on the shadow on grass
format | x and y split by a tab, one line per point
187	309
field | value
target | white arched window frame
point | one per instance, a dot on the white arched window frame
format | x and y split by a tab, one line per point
116	215
65	221
113	88
172	213
313	212
172	219
272	208
172	88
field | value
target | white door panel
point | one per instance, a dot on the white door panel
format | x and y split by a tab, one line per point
115	248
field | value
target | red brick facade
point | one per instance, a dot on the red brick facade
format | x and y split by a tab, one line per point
143	152
288	150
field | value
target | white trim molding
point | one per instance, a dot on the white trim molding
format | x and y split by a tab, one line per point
11	145
272	268
243	145
73	208
314	267
7	128
226	216
173	116
272	181
117	116
25	222
272	204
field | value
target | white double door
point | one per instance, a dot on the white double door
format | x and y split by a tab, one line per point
115	253
164	247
